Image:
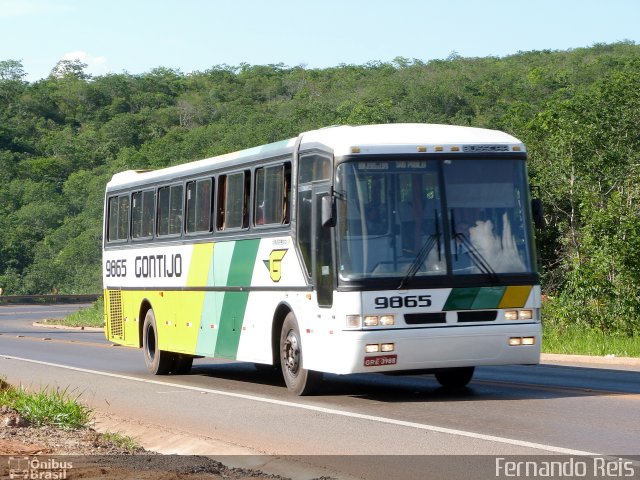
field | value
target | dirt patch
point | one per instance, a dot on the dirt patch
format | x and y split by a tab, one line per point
86	454
18	437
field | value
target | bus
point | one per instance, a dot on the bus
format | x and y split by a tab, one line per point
349	249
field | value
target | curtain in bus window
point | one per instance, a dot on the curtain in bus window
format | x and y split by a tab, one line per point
175	215
163	210
148	210
123	217
199	206
142	209
170	210
113	219
203	205
136	215
234	201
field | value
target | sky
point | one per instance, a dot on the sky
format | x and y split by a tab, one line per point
135	36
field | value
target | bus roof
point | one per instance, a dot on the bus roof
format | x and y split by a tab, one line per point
405	138
343	140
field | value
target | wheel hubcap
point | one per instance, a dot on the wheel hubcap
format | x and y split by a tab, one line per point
291	353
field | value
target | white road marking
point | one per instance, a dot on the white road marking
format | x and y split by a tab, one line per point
329	411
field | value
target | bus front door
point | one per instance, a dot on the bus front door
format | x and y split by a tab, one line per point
322	249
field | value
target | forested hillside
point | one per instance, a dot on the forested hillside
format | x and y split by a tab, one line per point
578	111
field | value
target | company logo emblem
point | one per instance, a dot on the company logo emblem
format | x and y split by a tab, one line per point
274	264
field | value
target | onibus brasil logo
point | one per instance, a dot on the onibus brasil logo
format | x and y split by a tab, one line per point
33	468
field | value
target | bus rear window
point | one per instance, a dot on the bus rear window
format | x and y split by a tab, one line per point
118	218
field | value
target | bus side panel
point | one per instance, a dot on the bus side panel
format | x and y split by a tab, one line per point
277	274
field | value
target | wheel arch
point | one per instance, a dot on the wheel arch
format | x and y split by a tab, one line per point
279	315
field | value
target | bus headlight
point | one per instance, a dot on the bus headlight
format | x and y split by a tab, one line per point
372	348
354	321
379	320
387	347
525	314
371	321
518	315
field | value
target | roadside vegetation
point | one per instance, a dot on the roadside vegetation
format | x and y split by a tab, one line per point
571	339
578	111
123	441
92	316
46	408
56	414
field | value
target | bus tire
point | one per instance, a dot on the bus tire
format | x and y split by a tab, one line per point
299	380
158	362
454	378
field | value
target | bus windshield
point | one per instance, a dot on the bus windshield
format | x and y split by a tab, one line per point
417	218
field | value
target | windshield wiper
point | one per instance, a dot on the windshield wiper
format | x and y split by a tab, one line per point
475	256
432	241
473	253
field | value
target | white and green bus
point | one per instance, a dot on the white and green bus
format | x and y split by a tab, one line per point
344	250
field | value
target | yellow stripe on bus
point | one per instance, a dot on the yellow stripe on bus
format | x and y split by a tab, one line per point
515	297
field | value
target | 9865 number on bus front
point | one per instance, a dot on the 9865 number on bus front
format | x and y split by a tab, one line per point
397	301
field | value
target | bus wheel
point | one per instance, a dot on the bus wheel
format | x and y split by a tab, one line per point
158	362
453	378
298	379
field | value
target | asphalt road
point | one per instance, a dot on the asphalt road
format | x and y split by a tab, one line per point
534	410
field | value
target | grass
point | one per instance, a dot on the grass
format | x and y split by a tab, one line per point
580	340
48	407
122	441
87	317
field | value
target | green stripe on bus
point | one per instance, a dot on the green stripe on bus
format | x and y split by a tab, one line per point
461	298
488	297
235	303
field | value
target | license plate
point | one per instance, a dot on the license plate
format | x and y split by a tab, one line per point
380	360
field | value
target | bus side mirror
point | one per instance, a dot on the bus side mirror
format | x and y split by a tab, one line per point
328	217
538	212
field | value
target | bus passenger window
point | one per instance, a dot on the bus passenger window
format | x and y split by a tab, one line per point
233	199
199	206
118	218
270	196
123	217
148	211
170	210
142	211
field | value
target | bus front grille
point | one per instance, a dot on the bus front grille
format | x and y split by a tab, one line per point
425	318
478	316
